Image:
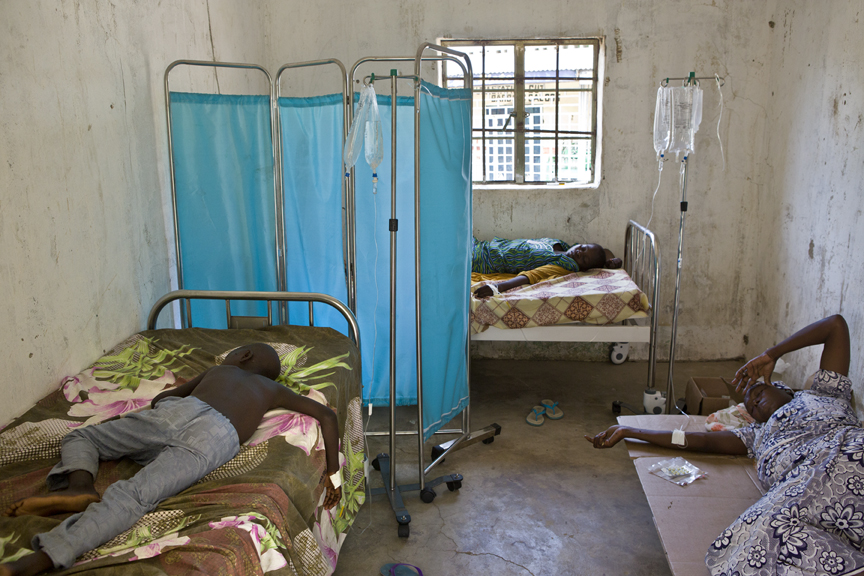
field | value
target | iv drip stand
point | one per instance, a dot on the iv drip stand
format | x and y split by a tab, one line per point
670	390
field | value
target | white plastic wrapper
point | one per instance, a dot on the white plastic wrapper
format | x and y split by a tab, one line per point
677	470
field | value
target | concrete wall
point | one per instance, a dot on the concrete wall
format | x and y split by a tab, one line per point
83	177
810	256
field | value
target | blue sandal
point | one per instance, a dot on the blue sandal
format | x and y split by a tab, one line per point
400	569
536	416
552	410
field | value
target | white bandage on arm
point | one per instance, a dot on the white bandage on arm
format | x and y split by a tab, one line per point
679	438
336	479
494	288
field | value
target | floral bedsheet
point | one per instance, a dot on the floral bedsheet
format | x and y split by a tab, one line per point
259	513
597	296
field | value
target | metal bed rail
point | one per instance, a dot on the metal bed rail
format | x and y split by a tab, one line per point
642	263
228	296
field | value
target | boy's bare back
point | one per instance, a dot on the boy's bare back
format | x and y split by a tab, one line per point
241	396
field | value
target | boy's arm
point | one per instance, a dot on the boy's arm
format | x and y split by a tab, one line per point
832	332
485	291
717	442
182	391
289	400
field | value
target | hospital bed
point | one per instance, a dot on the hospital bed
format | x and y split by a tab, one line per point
260	512
617	306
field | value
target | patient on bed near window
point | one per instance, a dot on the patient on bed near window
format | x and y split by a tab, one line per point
532	261
191	430
809	452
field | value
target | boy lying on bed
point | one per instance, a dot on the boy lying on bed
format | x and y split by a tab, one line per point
191	430
532	261
809	452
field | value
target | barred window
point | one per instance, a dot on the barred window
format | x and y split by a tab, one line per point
535	108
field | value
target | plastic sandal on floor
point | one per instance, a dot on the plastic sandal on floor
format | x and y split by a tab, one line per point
535	418
552	410
400	569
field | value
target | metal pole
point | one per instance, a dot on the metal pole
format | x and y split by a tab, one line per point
670	388
393	228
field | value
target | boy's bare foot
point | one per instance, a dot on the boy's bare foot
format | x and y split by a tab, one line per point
28	565
58	502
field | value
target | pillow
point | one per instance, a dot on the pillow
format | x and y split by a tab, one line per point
728	419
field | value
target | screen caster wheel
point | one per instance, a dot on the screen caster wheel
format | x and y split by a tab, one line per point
403	530
455	485
376	465
427	495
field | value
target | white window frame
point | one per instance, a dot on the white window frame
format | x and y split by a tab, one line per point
481	125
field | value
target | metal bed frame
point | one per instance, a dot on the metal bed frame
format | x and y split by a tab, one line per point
642	263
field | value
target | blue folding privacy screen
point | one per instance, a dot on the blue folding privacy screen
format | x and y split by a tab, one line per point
224	190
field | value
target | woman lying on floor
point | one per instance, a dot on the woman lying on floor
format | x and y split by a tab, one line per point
512	263
809	452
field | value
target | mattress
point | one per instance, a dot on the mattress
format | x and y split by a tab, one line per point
597	297
261	512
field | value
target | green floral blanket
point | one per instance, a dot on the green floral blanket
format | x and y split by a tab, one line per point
259	513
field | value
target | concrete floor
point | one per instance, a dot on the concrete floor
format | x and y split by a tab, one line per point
538	500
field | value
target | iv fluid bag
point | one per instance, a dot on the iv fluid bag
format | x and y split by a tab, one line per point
686	105
374	140
662	123
356	134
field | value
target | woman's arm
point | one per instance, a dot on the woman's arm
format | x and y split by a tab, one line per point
832	332
503	286
716	442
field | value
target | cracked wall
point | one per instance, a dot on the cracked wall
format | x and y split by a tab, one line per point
810	261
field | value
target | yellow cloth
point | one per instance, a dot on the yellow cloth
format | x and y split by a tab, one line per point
534	276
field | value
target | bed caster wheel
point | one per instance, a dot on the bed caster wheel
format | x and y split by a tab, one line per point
489	440
454	485
403	530
376	465
619	352
427	495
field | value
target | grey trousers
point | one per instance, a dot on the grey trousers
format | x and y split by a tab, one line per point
178	442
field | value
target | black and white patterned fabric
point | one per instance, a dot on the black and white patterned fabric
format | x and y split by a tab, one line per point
811	521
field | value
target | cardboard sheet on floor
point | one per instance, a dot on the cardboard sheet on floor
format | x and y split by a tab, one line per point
689	518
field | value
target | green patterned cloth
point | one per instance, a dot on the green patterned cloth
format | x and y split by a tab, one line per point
515	256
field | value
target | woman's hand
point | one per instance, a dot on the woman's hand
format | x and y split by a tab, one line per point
484	291
608	437
747	375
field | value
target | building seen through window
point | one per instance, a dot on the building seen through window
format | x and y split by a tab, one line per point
534	110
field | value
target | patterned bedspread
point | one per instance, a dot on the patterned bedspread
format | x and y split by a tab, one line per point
258	513
595	297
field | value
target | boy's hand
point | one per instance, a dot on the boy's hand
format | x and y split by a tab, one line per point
334	495
609	437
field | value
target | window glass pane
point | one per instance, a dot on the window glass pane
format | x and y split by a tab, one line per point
499	166
574	111
573	58
539	159
500	66
541	61
477	160
574	160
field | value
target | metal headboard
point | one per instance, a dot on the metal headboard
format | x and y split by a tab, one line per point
227	296
642	263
